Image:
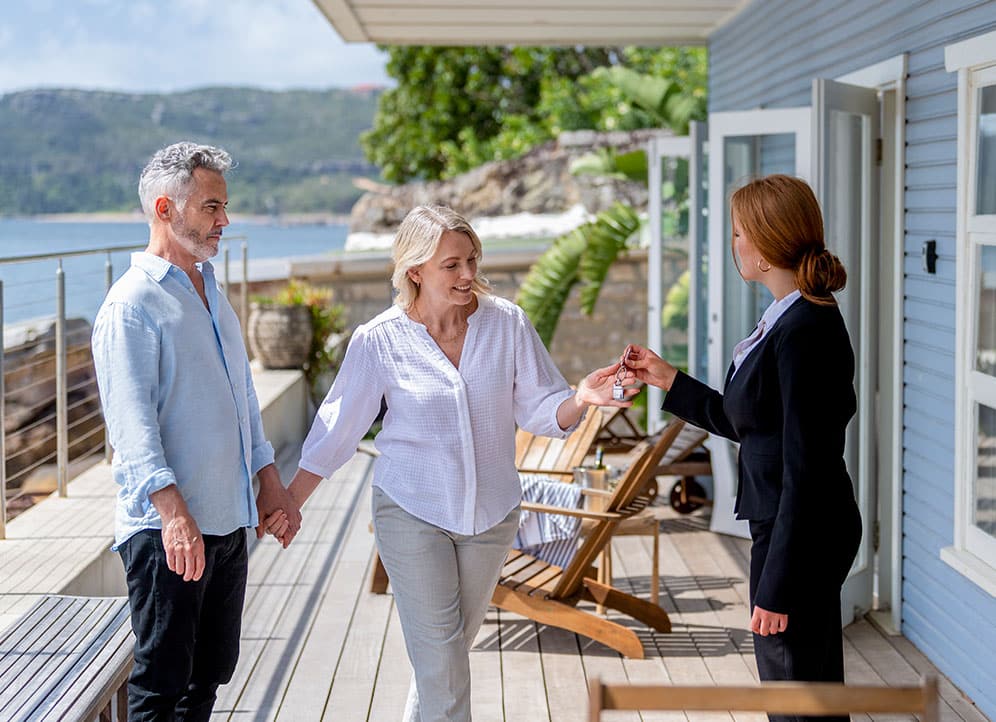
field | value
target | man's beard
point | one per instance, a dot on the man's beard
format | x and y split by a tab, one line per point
199	246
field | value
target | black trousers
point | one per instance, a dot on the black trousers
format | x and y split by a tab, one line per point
186	633
811	649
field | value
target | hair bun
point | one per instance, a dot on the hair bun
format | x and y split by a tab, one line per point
820	273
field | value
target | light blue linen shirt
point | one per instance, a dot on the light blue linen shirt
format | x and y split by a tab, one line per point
178	399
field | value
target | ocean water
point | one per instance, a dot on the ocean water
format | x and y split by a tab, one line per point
29	288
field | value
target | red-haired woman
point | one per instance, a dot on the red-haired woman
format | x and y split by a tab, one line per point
788	397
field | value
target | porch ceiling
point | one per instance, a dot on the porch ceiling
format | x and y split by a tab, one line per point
528	22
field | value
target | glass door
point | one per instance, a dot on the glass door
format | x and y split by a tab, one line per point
674	316
742	145
845	178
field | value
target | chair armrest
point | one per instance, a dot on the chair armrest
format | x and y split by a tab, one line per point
600	493
548	472
564	511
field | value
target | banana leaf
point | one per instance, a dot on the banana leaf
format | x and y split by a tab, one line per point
548	283
606	239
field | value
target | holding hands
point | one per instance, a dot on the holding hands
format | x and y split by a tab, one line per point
279	514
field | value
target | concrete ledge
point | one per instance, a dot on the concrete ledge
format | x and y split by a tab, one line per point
62	546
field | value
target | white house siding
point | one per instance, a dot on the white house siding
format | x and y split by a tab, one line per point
767	57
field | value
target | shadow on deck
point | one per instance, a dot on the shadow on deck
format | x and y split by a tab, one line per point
317	646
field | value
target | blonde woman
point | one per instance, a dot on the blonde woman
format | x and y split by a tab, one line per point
460	369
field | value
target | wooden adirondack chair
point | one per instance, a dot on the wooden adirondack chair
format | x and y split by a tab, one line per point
533	455
549	594
556	457
782	698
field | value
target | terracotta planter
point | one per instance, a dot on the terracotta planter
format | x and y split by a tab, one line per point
280	336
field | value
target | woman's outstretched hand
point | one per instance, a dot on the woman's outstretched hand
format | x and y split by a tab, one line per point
596	388
648	367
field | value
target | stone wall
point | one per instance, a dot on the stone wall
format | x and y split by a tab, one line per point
580	344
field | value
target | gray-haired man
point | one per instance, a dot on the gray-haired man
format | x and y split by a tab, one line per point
185	425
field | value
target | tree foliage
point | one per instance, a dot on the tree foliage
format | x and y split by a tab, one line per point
455	108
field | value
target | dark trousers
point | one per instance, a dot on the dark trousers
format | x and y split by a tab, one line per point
186	633
811	649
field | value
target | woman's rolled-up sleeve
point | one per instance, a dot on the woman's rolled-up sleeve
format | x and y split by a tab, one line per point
347	411
539	388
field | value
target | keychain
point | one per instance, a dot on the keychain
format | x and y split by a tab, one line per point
618	391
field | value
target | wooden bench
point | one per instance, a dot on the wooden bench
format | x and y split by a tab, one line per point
788	698
68	658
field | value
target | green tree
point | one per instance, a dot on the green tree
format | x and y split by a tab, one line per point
450	103
456	108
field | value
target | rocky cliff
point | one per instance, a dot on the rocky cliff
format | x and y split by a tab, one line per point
538	182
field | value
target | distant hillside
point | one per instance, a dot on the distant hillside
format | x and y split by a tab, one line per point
67	151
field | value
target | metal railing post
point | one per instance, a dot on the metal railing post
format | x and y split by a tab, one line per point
244	295
3	435
61	393
108	282
108	273
226	284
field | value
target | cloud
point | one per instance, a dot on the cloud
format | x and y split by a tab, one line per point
148	46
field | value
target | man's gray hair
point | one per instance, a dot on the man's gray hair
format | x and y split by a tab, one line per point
171	169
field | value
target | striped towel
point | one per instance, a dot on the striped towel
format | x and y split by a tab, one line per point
550	537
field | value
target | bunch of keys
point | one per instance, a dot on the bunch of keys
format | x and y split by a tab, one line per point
618	391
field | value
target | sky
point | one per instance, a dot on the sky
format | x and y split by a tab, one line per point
145	46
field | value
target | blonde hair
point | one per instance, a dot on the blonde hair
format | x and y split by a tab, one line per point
417	240
781	216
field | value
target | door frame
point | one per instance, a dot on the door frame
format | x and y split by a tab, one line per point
889	78
829	96
761	122
659	146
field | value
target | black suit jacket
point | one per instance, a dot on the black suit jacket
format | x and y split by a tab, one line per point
788	405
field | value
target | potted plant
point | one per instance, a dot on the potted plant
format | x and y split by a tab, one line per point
299	327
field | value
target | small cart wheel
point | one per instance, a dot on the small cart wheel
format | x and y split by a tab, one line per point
687	495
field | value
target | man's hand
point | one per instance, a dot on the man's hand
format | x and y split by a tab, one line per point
182	539
273	499
764	622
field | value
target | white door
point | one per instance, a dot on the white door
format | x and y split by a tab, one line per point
668	178
845	178
742	145
676	177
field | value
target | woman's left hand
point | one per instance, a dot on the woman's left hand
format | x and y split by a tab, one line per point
596	388
764	622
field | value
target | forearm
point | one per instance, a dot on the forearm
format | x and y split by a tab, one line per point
303	485
269	476
570	411
170	504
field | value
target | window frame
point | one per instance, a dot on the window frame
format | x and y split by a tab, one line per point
973	552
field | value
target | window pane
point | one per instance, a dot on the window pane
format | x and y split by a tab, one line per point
985	174
746	157
985	350
984	502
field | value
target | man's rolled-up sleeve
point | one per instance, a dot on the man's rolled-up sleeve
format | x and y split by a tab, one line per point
126	347
262	450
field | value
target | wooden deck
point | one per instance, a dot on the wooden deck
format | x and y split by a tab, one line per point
317	646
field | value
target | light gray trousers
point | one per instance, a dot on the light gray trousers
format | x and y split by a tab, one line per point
442	584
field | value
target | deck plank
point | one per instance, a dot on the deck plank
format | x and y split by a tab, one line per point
521	671
563	673
394	674
485	670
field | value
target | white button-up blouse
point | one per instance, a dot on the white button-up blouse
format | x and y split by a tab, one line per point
447	445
